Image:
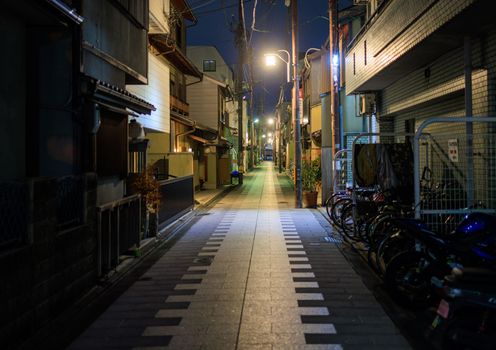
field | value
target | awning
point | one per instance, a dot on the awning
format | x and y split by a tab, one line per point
112	96
66	10
171	52
197	138
206	132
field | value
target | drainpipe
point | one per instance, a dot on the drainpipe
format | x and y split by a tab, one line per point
467	51
184	134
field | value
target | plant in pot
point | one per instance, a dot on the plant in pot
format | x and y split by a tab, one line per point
149	188
311	181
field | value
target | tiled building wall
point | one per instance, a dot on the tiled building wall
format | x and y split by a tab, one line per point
393	33
437	90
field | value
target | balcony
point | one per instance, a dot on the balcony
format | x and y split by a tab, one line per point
403	36
178	106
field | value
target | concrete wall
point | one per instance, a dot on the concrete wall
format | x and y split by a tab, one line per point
180	164
159	144
211	168
223	72
44	276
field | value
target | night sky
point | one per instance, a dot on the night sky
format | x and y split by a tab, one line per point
217	19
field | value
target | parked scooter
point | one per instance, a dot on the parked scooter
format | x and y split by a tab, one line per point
427	256
466	317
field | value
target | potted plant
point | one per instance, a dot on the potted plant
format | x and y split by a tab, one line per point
311	181
149	188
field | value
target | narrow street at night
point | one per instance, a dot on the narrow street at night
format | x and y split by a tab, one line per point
248	175
251	273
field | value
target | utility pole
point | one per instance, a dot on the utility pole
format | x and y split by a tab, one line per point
252	109
239	83
329	138
296	103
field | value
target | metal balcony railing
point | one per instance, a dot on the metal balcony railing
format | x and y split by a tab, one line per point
119	229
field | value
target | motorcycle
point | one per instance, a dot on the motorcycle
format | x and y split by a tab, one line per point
425	256
466	317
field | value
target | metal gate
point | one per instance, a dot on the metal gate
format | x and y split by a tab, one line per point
342	178
454	170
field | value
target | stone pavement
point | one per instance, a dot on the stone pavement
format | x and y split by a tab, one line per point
251	273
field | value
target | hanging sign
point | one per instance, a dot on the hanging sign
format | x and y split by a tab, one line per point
453	150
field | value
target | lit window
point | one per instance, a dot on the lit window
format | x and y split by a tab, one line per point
209	66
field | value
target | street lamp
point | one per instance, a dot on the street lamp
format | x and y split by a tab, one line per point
271	59
270	121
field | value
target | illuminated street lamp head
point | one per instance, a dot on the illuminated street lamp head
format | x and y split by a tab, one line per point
256	120
264	136
270	121
270	134
270	60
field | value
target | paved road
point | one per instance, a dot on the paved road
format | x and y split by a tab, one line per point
251	273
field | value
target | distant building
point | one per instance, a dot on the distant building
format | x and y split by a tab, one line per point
212	104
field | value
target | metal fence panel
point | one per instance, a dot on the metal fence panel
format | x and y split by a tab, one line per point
455	170
119	230
13	213
342	170
177	198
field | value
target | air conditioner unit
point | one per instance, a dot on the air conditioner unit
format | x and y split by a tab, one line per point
367	104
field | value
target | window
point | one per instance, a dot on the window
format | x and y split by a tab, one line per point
354	64
209	66
365	52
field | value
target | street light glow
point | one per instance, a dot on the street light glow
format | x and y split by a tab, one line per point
270	60
270	121
335	60
270	134
264	136
256	120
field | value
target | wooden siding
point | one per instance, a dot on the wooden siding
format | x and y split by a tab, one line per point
203	103
157	92
108	30
159	9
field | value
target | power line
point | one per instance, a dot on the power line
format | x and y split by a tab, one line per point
220	8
